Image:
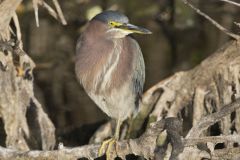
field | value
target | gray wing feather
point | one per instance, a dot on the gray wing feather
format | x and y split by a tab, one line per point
139	72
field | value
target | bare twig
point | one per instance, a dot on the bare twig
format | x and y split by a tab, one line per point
50	10
58	15
18	30
59	11
35	7
209	120
236	23
220	27
231	2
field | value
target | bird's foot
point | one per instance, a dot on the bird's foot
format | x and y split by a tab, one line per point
108	146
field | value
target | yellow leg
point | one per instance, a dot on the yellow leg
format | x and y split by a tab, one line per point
108	144
117	130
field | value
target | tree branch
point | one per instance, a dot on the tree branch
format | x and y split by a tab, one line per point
59	11
220	27
143	146
231	2
58	15
212	139
226	153
209	120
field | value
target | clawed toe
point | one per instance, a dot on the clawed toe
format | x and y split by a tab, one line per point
108	148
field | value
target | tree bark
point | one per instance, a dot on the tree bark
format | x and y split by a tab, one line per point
25	123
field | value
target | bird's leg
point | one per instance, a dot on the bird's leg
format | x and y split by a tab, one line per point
113	141
117	130
110	142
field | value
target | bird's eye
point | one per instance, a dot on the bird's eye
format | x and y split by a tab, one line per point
111	23
114	24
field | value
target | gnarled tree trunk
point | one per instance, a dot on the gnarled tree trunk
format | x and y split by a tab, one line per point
26	125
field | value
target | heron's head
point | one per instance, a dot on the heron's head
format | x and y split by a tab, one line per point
117	24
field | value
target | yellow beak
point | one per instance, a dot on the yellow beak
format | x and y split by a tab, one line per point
134	29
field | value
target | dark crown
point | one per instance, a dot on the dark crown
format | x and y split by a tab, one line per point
107	16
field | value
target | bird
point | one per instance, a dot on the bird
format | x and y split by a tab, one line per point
110	66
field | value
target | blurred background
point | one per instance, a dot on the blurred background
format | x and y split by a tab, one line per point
181	39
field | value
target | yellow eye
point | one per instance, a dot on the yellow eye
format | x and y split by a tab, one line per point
114	24
111	23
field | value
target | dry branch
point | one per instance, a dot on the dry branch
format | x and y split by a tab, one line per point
179	89
209	86
35	7
18	30
209	120
236	23
211	139
50	10
59	11
58	15
231	2
228	153
144	146
220	27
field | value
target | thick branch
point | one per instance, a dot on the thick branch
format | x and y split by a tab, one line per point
212	139
226	153
209	120
143	146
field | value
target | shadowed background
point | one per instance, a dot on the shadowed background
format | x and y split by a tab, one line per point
180	40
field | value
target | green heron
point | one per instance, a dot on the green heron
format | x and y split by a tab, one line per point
110	66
